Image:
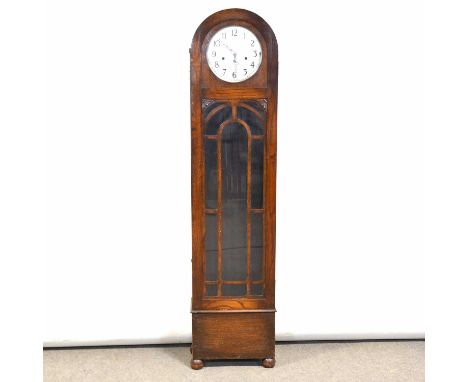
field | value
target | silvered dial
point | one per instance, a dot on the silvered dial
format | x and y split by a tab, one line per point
234	54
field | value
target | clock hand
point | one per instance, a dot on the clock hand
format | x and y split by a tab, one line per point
235	57
228	47
234	53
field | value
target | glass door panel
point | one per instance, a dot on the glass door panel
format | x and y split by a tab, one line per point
234	138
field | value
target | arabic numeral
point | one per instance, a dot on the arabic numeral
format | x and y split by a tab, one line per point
217	43
234	75
224	35
224	72
245	72
216	64
213	53
252	64
252	43
255	53
234	32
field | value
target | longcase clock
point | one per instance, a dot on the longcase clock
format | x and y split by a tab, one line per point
234	75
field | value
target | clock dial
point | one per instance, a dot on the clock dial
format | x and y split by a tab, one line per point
234	54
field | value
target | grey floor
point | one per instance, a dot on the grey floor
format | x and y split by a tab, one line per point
396	361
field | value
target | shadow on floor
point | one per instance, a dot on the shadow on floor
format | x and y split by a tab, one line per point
181	354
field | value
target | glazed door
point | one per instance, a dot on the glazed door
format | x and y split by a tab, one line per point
233	157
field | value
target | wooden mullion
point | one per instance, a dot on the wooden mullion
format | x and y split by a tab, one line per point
234	110
249	202
234	282
229	282
249	199
220	223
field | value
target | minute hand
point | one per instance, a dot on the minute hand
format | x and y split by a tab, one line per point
234	53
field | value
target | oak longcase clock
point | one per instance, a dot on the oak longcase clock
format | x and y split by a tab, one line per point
234	75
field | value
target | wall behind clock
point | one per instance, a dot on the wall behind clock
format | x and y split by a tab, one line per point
349	211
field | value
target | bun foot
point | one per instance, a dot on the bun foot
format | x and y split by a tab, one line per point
268	362
196	364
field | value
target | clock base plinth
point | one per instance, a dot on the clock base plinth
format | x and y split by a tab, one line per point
234	336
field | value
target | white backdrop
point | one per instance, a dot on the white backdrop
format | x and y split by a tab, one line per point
350	165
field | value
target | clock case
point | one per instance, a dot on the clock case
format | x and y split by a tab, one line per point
233	327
